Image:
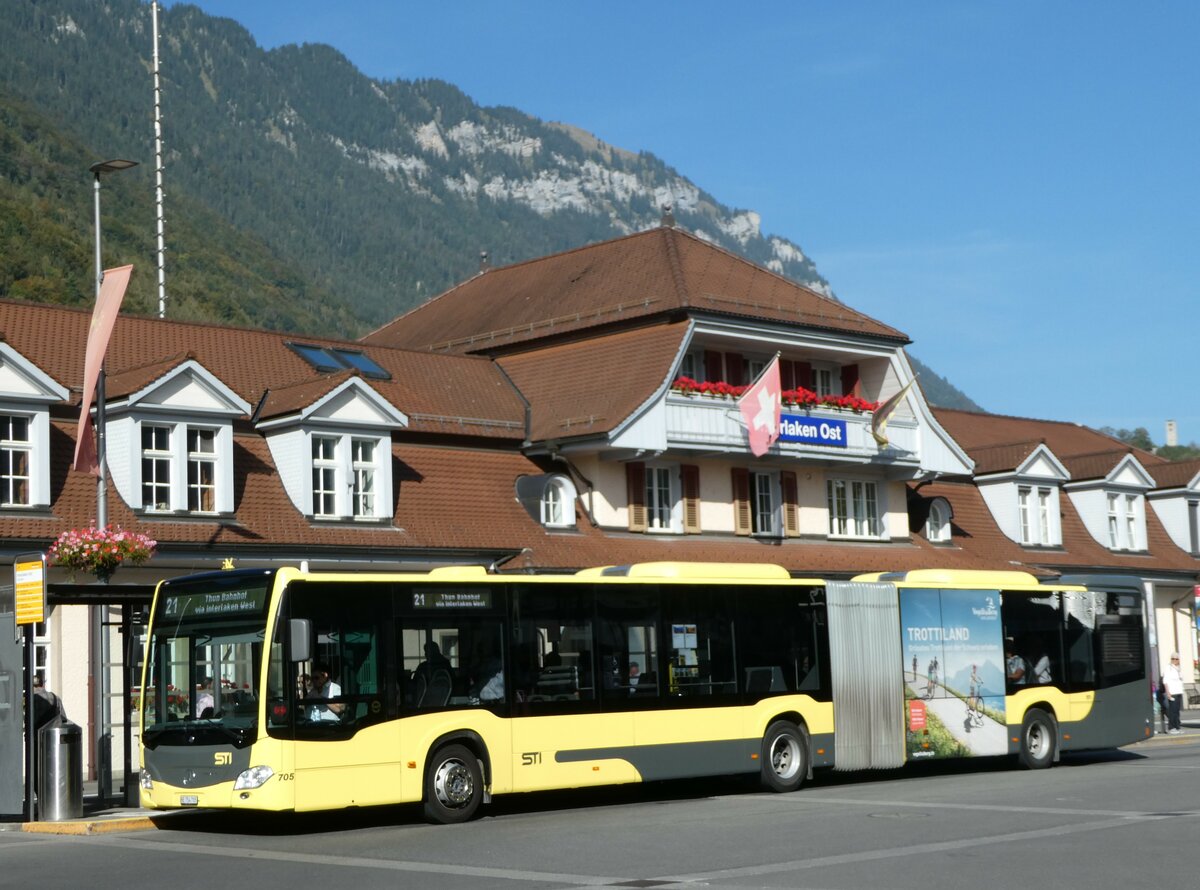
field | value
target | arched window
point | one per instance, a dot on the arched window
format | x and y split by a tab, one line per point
558	503
937	526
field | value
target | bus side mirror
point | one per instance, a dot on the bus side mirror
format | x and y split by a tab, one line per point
300	631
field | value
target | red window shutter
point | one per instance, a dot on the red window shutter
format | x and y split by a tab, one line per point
741	501
714	366
735	369
850	381
791	504
690	477
635	481
787	374
803	375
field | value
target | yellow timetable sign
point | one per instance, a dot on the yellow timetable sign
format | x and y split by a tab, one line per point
30	590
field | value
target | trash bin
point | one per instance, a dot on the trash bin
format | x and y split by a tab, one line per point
60	771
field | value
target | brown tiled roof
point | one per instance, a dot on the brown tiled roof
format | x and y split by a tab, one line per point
1175	474
131	380
1086	453
439	393
658	271
998	458
579	389
284	400
1094	466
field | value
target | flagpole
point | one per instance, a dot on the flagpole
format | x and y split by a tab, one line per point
98	679
766	368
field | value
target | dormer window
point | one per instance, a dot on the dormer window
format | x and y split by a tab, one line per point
181	464
937	525
26	394
350	464
1034	505
156	467
15	463
1124	521
334	453
202	470
558	503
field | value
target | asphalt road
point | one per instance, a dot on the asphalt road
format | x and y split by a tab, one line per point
1116	819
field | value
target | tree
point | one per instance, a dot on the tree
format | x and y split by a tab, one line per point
1138	438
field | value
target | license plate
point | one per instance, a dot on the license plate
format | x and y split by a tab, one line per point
189	800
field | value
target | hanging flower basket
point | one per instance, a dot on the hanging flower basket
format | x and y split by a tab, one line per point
100	551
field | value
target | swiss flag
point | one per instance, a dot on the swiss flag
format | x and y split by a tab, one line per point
760	406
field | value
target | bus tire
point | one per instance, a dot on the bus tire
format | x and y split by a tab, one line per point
784	757
1039	736
453	785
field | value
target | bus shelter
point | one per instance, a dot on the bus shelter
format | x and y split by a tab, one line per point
117	614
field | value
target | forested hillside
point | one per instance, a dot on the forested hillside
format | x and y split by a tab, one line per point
300	194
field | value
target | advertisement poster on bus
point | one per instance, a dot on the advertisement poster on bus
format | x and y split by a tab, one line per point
953	673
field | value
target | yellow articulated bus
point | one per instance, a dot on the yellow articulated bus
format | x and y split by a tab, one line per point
293	690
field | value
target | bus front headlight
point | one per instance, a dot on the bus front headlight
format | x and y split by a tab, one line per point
254	777
145	781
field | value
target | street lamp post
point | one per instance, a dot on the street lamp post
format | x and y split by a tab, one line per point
99	656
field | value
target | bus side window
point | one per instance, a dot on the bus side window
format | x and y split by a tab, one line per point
1078	636
551	648
782	643
1120	655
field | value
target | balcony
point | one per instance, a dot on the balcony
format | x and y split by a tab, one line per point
714	424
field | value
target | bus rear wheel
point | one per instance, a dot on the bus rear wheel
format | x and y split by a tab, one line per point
453	785
784	757
1038	739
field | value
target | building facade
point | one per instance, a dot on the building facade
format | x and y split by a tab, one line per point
570	411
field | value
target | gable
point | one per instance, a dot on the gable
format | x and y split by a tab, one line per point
1042	465
188	387
21	379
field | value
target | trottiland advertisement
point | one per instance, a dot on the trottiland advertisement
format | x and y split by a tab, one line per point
953	664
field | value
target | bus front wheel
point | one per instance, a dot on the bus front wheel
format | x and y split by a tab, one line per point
1038	739
784	757
453	785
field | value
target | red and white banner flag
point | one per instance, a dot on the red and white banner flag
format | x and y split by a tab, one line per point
104	316
760	406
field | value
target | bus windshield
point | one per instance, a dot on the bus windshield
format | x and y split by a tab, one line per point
204	660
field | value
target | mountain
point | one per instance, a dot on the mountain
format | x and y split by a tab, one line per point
300	194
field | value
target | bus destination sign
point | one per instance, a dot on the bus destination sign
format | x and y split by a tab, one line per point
442	598
217	604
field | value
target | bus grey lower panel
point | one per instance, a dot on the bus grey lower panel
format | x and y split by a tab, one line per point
868	684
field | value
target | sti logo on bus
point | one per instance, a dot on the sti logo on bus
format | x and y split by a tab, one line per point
222	758
531	758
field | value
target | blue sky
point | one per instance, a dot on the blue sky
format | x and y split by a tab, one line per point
1014	185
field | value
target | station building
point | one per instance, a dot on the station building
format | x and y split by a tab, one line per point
569	411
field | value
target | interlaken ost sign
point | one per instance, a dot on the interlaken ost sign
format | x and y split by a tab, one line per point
812	431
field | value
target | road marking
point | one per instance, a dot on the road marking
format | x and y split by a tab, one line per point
361	862
989	808
898	852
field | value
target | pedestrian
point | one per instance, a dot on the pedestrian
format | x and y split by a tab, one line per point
1172	683
46	705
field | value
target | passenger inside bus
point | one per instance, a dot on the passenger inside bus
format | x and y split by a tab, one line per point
1015	668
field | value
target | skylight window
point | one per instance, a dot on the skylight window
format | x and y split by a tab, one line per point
333	358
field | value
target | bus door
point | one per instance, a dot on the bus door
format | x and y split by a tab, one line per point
345	748
562	669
